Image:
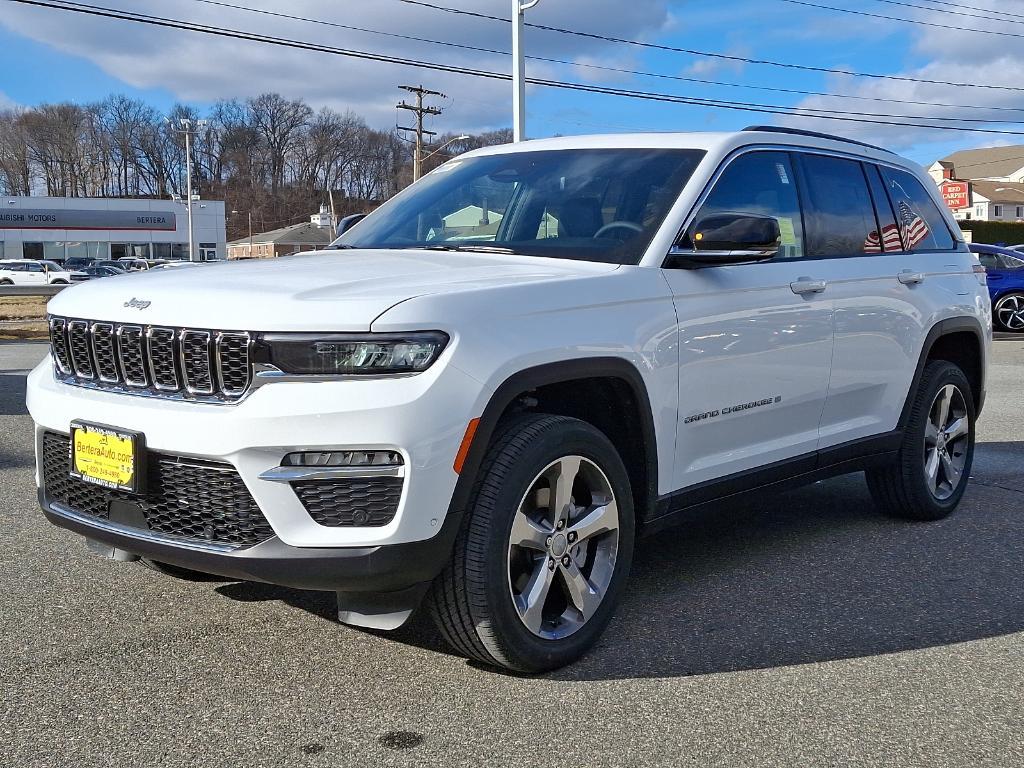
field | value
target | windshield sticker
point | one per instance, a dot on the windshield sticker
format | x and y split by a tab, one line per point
783	176
451	165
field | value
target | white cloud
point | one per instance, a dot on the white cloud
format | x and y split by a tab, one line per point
201	67
952	55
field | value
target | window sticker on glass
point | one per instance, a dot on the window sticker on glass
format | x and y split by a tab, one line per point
451	165
783	175
787	231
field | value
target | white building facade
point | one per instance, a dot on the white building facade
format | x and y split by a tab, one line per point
61	228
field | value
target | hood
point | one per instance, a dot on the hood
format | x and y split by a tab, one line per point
329	290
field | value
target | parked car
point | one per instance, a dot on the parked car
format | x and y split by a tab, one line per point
78	262
529	358
31	272
1005	272
130	264
94	271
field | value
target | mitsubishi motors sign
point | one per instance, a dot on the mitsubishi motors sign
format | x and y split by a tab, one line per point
957	194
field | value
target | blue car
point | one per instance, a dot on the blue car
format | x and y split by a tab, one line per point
1005	270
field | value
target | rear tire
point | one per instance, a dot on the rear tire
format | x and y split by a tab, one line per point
544	550
1008	312
930	473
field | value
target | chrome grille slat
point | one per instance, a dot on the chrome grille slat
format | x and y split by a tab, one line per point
195	361
130	339
104	353
59	344
80	346
177	363
162	364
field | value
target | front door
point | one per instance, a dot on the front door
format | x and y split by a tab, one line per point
755	340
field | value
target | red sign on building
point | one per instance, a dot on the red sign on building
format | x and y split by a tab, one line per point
957	194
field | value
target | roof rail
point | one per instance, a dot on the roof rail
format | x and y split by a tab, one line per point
813	134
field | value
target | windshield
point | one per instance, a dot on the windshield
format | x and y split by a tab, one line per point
588	204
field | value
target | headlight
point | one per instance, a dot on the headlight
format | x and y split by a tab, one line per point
352	354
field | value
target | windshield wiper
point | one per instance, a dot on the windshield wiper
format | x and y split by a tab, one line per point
467	248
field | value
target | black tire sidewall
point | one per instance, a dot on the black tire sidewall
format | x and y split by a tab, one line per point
515	643
937	375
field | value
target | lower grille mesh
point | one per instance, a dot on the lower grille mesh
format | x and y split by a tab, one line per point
351	502
189	498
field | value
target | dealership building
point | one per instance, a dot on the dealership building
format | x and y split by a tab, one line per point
60	228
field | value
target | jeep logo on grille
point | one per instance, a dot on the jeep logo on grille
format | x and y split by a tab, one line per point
137	303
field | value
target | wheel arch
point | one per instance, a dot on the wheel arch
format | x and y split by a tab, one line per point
960	340
596	382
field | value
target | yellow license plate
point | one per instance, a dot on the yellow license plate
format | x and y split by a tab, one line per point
106	456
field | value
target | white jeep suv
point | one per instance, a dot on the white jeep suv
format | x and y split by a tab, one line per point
515	368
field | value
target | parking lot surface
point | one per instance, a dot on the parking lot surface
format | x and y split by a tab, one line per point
794	630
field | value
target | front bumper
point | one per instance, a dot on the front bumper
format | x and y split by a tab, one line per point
377	569
422	417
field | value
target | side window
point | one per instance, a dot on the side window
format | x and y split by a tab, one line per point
889	241
920	222
34	267
840	216
988	260
761	184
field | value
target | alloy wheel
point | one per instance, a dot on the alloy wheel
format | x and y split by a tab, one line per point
946	441
1010	312
563	547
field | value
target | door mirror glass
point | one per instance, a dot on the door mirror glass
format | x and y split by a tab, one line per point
736	232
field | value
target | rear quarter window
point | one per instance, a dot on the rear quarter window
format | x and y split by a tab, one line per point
921	225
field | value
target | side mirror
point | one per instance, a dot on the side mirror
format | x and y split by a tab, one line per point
728	238
347	223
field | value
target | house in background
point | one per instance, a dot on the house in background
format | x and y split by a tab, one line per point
308	236
983	184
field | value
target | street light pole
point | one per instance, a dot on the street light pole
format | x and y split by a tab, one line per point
186	128
519	9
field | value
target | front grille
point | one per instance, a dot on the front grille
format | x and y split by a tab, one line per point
351	502
191	499
189	363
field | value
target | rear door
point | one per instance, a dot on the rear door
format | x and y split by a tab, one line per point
755	340
893	270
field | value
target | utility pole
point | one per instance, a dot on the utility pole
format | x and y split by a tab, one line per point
420	111
519	9
188	129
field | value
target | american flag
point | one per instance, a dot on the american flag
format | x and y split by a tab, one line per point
890	240
914	229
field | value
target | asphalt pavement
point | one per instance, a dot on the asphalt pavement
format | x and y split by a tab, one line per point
797	630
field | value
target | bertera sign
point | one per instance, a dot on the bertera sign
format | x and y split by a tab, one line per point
35	218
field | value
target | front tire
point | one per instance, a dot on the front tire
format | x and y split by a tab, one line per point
930	474
544	551
1008	312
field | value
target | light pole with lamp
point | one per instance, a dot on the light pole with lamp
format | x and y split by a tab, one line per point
187	129
519	9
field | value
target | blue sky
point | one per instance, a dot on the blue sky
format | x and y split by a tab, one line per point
58	56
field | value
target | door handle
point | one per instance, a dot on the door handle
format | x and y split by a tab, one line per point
909	277
807	285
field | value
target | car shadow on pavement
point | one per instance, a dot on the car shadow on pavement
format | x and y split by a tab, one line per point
811	575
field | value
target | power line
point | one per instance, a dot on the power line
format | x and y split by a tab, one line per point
922	22
724	56
973	8
773	109
954	12
599	67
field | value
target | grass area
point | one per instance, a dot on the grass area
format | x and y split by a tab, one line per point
22	317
